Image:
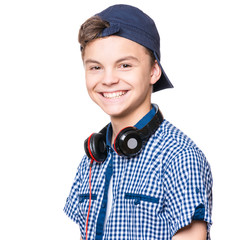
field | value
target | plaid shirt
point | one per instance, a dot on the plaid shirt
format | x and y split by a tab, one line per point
154	194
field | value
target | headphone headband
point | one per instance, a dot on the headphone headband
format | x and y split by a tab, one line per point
149	129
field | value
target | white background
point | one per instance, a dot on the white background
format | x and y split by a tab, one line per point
46	113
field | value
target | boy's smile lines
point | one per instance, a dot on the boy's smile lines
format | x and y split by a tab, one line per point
113	95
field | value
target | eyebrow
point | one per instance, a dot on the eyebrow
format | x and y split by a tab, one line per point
91	61
117	61
127	58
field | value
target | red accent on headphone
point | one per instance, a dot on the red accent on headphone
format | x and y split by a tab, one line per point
89	149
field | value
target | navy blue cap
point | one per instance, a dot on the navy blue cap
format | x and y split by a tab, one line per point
131	23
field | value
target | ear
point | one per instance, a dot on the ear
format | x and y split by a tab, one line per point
155	72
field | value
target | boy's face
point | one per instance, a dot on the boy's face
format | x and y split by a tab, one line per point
119	76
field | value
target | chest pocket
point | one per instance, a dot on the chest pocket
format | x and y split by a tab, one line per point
140	204
84	203
138	198
141	209
83	197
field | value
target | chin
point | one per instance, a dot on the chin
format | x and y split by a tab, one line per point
115	111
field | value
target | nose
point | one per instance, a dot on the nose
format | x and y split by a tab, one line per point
110	77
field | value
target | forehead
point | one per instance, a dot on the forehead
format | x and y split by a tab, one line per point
115	47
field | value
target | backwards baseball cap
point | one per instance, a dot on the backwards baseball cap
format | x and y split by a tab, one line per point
131	23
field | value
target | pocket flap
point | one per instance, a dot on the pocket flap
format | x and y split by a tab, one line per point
139	197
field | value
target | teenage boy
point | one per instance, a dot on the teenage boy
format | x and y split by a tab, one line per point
149	181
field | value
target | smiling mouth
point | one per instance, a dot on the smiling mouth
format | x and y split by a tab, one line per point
113	95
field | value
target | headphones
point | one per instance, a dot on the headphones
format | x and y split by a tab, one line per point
128	142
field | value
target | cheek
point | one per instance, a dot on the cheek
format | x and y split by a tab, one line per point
90	91
92	79
146	70
89	81
145	79
89	87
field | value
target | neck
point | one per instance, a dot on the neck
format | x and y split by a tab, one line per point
118	123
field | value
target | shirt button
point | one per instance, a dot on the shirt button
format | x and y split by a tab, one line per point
136	202
80	199
103	205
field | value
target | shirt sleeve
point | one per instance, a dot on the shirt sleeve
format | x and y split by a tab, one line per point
188	189
72	201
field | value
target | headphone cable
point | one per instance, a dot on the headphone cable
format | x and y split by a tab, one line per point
88	214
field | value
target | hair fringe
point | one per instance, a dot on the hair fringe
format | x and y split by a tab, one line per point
91	29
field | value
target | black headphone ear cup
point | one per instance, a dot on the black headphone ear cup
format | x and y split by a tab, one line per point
95	147
128	142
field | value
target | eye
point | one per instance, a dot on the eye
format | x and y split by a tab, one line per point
95	68
125	65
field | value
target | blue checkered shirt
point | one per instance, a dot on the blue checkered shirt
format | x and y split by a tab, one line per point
154	194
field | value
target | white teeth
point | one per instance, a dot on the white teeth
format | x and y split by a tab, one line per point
114	94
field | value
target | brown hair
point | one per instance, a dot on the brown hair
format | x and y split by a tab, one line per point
92	28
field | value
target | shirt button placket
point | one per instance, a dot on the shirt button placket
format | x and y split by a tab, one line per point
102	213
